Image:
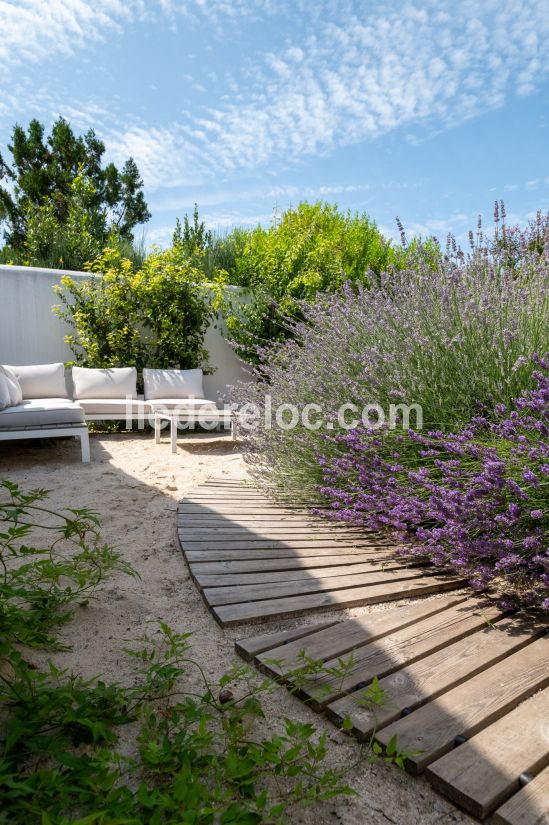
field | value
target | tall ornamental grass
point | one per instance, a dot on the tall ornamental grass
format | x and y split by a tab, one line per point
452	332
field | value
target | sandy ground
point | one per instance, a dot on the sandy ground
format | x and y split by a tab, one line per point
135	485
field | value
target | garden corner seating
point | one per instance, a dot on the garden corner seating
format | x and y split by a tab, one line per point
35	401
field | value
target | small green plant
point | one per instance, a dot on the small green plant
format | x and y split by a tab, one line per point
38	581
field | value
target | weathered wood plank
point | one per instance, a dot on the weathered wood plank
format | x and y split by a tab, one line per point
258	577
398	649
530	806
419	683
261	552
237	509
352	633
252	646
477	703
284	524
311	584
262	610
211	520
482	773
286	564
206	533
229	544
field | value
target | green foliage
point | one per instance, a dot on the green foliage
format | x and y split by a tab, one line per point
191	238
172	746
37	581
80	233
155	316
309	249
223	253
43	171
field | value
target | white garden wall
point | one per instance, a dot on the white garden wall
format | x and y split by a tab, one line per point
30	332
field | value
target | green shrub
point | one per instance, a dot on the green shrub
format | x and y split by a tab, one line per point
309	249
154	316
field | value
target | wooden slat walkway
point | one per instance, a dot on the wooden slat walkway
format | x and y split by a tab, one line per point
466	691
253	559
466	686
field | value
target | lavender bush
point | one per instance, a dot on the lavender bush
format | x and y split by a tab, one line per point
477	501
451	332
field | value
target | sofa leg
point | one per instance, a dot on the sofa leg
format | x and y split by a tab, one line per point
85	446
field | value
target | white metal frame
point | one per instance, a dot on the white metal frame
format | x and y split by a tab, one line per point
192	417
78	431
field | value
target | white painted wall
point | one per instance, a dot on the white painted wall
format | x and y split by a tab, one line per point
30	332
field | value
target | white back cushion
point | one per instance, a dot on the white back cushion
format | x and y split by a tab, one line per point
173	384
112	382
42	380
11	385
5	396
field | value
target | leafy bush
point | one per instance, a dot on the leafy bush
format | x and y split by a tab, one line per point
477	501
309	249
38	582
449	333
191	750
155	316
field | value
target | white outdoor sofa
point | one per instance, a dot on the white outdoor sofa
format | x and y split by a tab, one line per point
41	406
34	403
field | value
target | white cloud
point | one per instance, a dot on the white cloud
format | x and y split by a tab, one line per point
397	66
163	156
35	30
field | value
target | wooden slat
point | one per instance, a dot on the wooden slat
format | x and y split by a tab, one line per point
241	509
223	579
255	523
530	806
232	493
311	584
229	544
418	683
283	533
294	605
260	523
347	635
291	563
251	518
252	646
398	649
277	553
482	773
477	703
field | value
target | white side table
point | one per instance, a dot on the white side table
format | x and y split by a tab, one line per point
192	417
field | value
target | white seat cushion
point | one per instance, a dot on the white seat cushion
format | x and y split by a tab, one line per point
162	384
113	382
113	406
41	412
42	380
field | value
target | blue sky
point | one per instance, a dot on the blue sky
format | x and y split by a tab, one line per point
426	110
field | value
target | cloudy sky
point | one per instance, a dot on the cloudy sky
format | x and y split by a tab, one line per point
428	110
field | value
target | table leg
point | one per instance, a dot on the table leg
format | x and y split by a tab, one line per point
173	433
